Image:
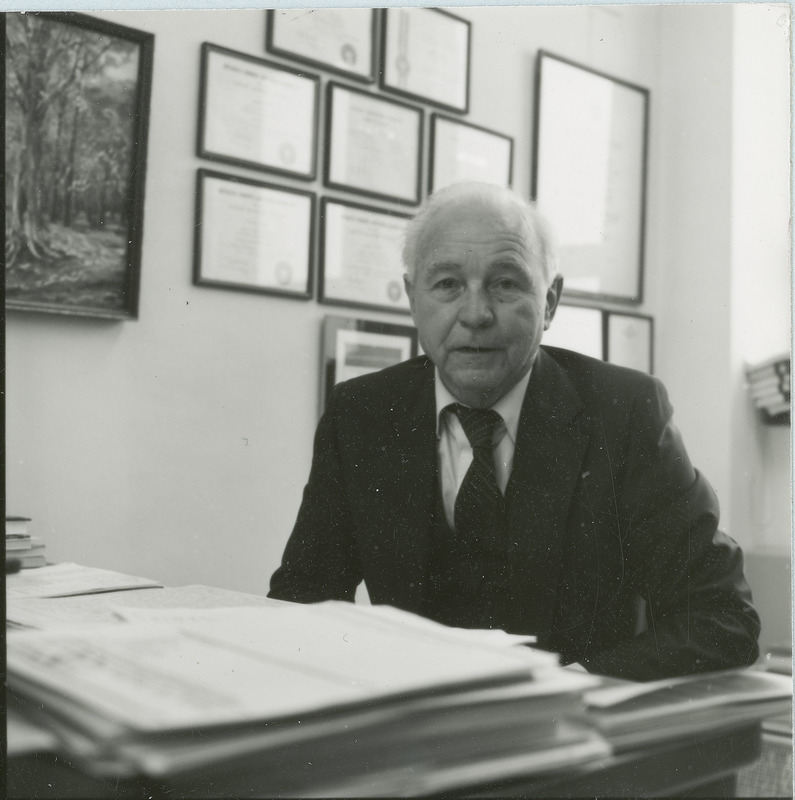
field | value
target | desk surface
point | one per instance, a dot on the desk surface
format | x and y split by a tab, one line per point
702	767
696	765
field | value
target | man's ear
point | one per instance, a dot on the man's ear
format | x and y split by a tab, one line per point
553	298
409	290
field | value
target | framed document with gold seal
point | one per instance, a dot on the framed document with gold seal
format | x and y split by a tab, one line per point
257	114
360	263
336	39
253	236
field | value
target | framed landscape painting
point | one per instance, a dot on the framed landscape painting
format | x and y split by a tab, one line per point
76	109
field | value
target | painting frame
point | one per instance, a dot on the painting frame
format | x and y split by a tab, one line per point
339	333
446	72
445	147
245	210
590	176
96	243
381	166
350	39
229	131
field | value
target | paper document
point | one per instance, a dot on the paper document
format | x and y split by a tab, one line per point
695	690
45	613
60	580
243	664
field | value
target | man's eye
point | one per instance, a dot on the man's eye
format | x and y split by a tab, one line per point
446	284
507	285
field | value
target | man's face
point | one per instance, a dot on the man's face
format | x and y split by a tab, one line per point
479	305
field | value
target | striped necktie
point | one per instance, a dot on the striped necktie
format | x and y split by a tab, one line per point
479	506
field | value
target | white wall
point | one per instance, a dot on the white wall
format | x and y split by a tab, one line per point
177	446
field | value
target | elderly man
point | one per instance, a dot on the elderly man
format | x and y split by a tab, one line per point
497	483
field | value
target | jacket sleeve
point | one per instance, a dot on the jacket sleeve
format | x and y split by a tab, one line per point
688	574
320	561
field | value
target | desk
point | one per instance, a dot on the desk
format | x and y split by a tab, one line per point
703	767
695	765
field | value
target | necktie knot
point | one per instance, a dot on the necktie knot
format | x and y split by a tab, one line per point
478	424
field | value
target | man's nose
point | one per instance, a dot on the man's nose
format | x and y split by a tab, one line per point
476	309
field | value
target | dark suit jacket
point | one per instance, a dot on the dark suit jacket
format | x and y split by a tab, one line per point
615	557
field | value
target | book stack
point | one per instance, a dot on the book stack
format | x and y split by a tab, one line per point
290	700
23	551
769	387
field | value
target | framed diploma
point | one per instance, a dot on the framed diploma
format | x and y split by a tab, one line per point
577	328
360	256
257	114
425	55
354	347
253	236
461	151
589	176
336	39
373	145
630	340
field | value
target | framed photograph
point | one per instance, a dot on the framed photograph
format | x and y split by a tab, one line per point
630	340
461	151
257	114
253	236
373	145
360	256
76	123
337	39
589	176
425	55
577	328
353	347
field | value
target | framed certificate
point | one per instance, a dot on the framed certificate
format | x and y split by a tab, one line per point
336	39
253	236
577	328
360	256
630	340
461	151
257	114
373	145
354	347
589	176
425	55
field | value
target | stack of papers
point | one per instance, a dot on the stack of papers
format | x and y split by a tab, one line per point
328	700
630	714
66	579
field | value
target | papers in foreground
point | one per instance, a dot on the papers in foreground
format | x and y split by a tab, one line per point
331	698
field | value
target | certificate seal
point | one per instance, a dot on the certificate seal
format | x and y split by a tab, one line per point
286	153
394	291
348	54
284	273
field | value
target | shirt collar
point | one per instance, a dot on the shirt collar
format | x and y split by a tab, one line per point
509	407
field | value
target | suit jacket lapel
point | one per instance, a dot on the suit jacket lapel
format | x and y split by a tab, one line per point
410	458
549	452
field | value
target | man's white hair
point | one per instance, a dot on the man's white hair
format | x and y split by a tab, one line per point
537	236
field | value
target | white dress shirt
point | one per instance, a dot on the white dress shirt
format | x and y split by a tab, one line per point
454	452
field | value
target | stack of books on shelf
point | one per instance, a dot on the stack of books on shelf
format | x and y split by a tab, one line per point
769	386
291	700
23	551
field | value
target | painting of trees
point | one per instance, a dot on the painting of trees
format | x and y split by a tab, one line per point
76	109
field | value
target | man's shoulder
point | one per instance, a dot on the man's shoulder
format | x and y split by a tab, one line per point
590	375
406	377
